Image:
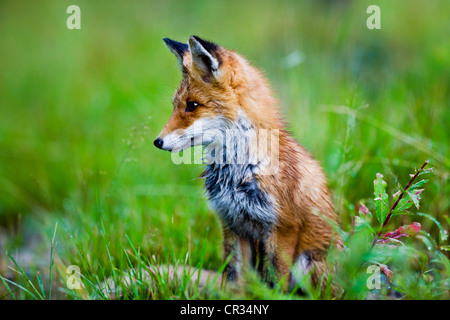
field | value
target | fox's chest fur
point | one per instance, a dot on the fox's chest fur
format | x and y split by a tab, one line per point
234	191
238	199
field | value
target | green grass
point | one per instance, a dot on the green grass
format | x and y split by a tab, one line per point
79	110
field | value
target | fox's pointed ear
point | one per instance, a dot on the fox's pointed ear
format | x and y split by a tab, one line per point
177	48
204	57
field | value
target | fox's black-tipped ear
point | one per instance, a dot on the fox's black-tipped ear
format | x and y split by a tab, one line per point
204	57
177	48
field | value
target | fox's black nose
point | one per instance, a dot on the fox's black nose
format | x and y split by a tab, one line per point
158	143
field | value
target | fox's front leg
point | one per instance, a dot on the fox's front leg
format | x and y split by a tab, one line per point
231	251
241	255
278	257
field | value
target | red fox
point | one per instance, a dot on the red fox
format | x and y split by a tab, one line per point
274	205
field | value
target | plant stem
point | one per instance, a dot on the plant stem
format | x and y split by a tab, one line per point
396	202
52	262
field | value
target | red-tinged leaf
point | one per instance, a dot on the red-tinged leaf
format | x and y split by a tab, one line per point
410	198
403	231
388	272
413	228
363	209
340	245
384	268
415	197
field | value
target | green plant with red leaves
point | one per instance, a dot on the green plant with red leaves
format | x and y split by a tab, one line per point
413	263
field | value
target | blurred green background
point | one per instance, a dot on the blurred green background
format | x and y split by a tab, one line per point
79	110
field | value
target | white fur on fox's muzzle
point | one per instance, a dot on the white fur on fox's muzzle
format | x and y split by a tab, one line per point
202	132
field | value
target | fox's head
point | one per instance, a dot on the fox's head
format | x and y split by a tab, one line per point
218	86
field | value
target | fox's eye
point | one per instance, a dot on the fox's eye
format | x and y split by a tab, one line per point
191	106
